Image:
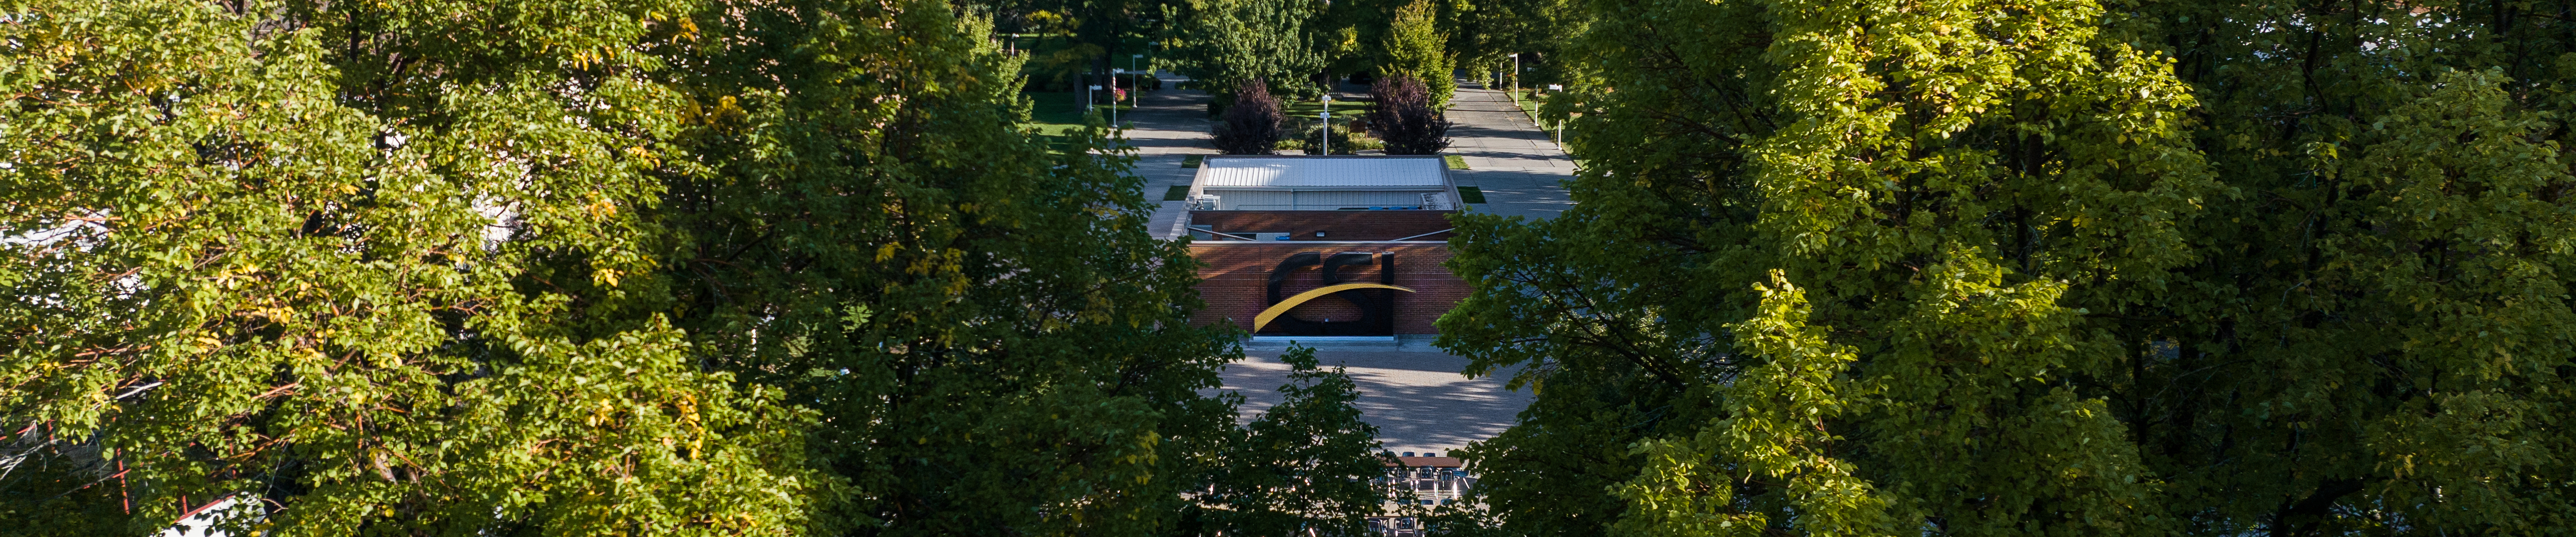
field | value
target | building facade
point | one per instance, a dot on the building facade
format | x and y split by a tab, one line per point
1334	248
1324	248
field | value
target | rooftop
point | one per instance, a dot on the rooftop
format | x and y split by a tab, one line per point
1424	171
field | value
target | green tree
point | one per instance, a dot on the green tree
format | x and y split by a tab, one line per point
1548	475
1088	38
1859	253
996	343
1415	46
1223	44
1307	463
722	267
2198	267
1485	33
368	269
2398	242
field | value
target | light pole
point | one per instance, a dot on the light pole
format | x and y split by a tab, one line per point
1516	79
1113	96
1328	123
1135	86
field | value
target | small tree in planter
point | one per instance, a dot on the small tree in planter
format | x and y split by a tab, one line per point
1346	139
1251	125
1403	118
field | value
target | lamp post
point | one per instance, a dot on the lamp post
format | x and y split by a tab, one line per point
1328	123
1113	96
1136	87
1516	79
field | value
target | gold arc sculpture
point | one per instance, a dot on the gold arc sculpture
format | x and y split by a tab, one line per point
1283	306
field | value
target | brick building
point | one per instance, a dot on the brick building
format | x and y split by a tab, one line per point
1275	233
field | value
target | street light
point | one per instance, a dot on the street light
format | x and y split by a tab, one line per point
1113	101
1137	96
1328	123
1516	78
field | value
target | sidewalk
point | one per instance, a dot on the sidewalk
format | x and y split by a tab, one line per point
1411	391
1170	122
1170	125
1515	163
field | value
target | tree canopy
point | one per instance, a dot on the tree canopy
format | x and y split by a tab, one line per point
1224	44
791	267
2064	267
648	267
1415	48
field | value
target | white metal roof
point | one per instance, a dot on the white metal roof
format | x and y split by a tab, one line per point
1294	172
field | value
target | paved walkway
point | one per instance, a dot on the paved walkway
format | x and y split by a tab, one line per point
1411	391
1518	167
1169	126
1169	122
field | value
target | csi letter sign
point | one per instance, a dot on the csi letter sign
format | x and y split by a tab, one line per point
1375	301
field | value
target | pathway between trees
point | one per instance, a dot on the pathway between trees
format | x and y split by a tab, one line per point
1518	167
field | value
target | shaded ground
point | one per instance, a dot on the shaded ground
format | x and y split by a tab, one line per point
1170	126
1411	392
1517	166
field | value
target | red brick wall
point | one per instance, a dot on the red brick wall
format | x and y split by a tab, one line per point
1343	225
1236	278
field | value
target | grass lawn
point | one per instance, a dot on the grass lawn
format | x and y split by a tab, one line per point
1471	194
1059	117
1342	110
1058	112
1455	162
